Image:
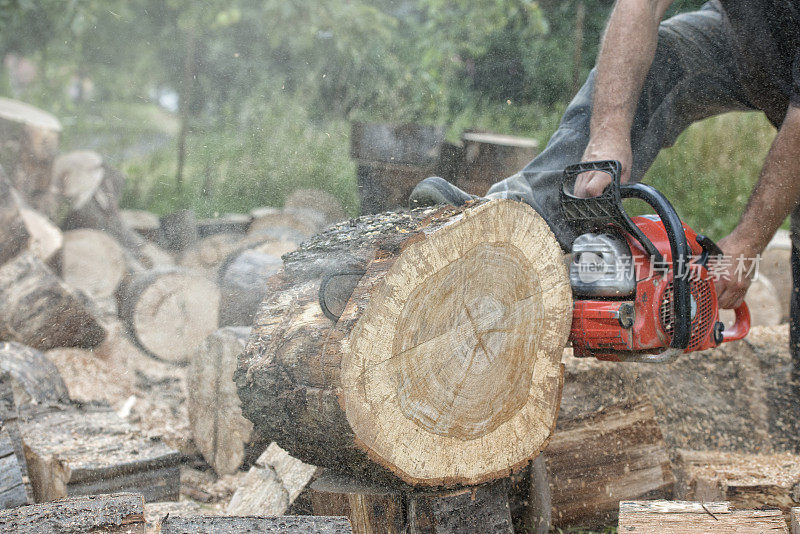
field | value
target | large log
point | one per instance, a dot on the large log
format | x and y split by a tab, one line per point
215	415
169	312
29	139
38	309
88	451
446	358
122	513
14	235
667	517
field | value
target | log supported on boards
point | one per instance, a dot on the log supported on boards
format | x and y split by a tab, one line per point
446	357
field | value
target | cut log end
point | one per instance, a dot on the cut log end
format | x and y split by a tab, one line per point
453	374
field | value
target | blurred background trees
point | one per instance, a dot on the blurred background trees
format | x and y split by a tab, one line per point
259	92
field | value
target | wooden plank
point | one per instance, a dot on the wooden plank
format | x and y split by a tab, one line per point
263	525
680	517
120	513
85	451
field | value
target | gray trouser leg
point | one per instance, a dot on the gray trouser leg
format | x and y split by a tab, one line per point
693	77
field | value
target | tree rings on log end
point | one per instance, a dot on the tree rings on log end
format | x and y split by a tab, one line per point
452	373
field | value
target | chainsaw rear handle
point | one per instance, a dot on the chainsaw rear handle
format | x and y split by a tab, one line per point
740	326
587	214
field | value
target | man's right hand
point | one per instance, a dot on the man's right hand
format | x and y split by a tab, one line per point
592	184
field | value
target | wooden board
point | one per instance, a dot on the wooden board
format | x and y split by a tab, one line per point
88	451
678	517
263	525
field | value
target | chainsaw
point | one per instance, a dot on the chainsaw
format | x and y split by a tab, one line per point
642	287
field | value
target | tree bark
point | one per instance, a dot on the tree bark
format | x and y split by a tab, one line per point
38	380
444	366
39	310
463	510
235	525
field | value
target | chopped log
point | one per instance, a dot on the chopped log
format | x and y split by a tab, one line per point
744	480
282	225
229	223
595	461
154	257
271	485
489	157
143	223
327	206
371	508
449	345
12	487
242	280
270	525
117	513
9	423
462	510
90	379
178	230
38	309
78	175
88	451
215	415
14	235
46	238
29	139
169	312
95	263
668	517
37	379
210	252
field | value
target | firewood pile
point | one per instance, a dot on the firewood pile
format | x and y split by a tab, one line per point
250	371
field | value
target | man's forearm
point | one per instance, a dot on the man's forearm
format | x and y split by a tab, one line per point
777	191
625	57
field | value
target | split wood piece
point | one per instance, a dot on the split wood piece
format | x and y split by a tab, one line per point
371	508
9	423
279	224
142	222
14	234
446	359
46	238
36	379
12	487
744	480
178	230
677	517
88	451
488	158
169	312
242	280
210	252
89	378
38	309
795	520
229	223
462	510
95	263
29	139
268	525
596	461
323	203
116	513
271	485
215	415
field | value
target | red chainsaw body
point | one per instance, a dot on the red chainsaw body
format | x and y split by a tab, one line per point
603	328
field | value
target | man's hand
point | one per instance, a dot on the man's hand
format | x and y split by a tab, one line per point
592	184
735	272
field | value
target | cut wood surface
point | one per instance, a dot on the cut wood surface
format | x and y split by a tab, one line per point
209	252
169	312
29	139
446	358
88	451
142	222
215	415
46	239
265	525
243	285
744	480
12	486
372	509
95	262
117	513
596	461
677	517
14	235
79	175
36	379
271	485
89	378
38	309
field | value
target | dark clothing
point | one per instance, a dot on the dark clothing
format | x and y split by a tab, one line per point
767	50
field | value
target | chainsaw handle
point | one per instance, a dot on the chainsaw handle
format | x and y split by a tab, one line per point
740	326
